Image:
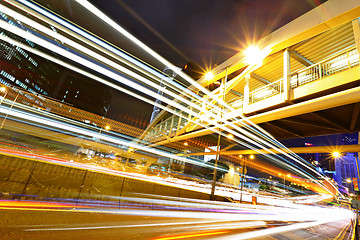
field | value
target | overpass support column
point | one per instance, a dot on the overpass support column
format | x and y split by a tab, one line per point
356	29
246	94
286	79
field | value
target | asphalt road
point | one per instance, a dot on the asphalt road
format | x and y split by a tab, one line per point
61	224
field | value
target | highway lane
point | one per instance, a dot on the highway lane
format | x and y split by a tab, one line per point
55	221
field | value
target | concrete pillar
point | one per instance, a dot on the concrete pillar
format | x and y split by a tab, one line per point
286	78
246	93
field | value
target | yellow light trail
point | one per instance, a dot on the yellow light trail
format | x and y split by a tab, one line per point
191	235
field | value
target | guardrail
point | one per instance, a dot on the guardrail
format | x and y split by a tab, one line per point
12	95
342	61
267	91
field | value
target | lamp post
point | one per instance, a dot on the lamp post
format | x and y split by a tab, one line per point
284	179
243	174
209	76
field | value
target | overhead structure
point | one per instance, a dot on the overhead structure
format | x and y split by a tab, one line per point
309	74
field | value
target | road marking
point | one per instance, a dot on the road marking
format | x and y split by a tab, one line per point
343	232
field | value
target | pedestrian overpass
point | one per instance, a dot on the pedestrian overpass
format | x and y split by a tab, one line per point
307	85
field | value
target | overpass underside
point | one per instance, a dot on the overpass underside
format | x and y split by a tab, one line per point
307	86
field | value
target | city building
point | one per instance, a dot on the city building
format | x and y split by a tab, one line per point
22	69
346	172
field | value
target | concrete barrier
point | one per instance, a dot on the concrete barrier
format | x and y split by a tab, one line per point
53	181
14	175
25	178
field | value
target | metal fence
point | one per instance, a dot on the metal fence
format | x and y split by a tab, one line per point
12	95
340	62
267	91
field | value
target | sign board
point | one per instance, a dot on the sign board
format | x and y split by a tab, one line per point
356	186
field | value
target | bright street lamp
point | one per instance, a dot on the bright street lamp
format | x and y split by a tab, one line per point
230	136
209	75
254	55
336	154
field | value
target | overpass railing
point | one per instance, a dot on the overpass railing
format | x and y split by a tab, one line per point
267	91
342	61
12	95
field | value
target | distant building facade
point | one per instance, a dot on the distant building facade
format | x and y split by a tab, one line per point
24	70
346	172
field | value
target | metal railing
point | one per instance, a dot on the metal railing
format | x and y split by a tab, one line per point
13	95
238	103
342	61
267	91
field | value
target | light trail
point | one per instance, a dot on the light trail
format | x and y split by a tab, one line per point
77	130
253	139
95	42
253	220
248	145
200	234
102	70
117	27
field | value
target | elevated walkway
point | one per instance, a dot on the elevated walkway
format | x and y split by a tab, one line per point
309	62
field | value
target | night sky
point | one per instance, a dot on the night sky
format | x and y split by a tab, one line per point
205	31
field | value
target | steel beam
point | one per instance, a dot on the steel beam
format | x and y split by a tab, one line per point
300	58
298	150
345	97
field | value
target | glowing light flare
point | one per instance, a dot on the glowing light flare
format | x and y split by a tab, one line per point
336	154
254	55
2	89
209	75
348	180
230	136
107	127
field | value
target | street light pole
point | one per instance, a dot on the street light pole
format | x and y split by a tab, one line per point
213	184
242	179
243	175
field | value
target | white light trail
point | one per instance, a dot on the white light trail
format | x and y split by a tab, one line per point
84	132
94	42
245	135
